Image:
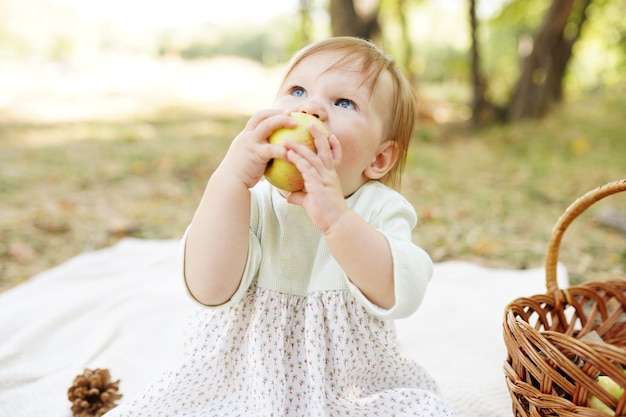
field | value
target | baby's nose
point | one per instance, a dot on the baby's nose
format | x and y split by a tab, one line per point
314	108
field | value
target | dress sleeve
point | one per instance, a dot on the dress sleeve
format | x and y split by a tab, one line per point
412	266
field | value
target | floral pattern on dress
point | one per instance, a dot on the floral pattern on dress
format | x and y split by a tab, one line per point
275	354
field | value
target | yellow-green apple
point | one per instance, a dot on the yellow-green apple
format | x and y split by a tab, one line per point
612	388
284	174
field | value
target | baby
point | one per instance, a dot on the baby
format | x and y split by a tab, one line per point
298	290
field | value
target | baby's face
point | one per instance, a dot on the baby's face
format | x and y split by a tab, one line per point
343	99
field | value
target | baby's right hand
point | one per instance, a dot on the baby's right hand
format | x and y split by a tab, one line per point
250	152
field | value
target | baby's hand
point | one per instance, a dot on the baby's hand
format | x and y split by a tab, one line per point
250	151
322	197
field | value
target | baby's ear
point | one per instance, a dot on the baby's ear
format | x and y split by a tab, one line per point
386	157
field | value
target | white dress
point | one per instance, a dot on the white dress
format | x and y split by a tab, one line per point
298	338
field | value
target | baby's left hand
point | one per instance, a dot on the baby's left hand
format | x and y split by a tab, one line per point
322	197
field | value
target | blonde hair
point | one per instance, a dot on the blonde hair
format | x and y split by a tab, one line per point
374	62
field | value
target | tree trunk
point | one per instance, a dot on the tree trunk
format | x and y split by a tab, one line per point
346	21
481	109
563	53
540	83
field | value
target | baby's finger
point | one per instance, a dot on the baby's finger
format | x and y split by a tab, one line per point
335	148
296	197
267	121
305	160
322	146
270	151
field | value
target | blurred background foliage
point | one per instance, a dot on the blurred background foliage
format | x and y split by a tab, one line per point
48	31
114	113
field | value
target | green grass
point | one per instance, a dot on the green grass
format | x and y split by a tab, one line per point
489	196
493	196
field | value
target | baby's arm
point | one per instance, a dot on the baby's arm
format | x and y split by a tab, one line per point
365	256
217	241
362	251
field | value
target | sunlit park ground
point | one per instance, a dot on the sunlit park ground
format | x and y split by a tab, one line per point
90	157
122	147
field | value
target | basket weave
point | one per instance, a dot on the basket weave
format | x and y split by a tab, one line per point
553	364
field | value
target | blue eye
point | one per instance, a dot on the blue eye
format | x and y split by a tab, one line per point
298	92
345	103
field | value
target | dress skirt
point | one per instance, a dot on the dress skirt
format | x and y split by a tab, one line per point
275	354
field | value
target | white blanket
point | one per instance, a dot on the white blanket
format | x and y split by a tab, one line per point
124	308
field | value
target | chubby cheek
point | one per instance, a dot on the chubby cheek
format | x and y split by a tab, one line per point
352	162
357	149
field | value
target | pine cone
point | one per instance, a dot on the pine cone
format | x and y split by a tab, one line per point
93	393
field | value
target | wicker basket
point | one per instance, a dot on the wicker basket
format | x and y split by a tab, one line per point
553	363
